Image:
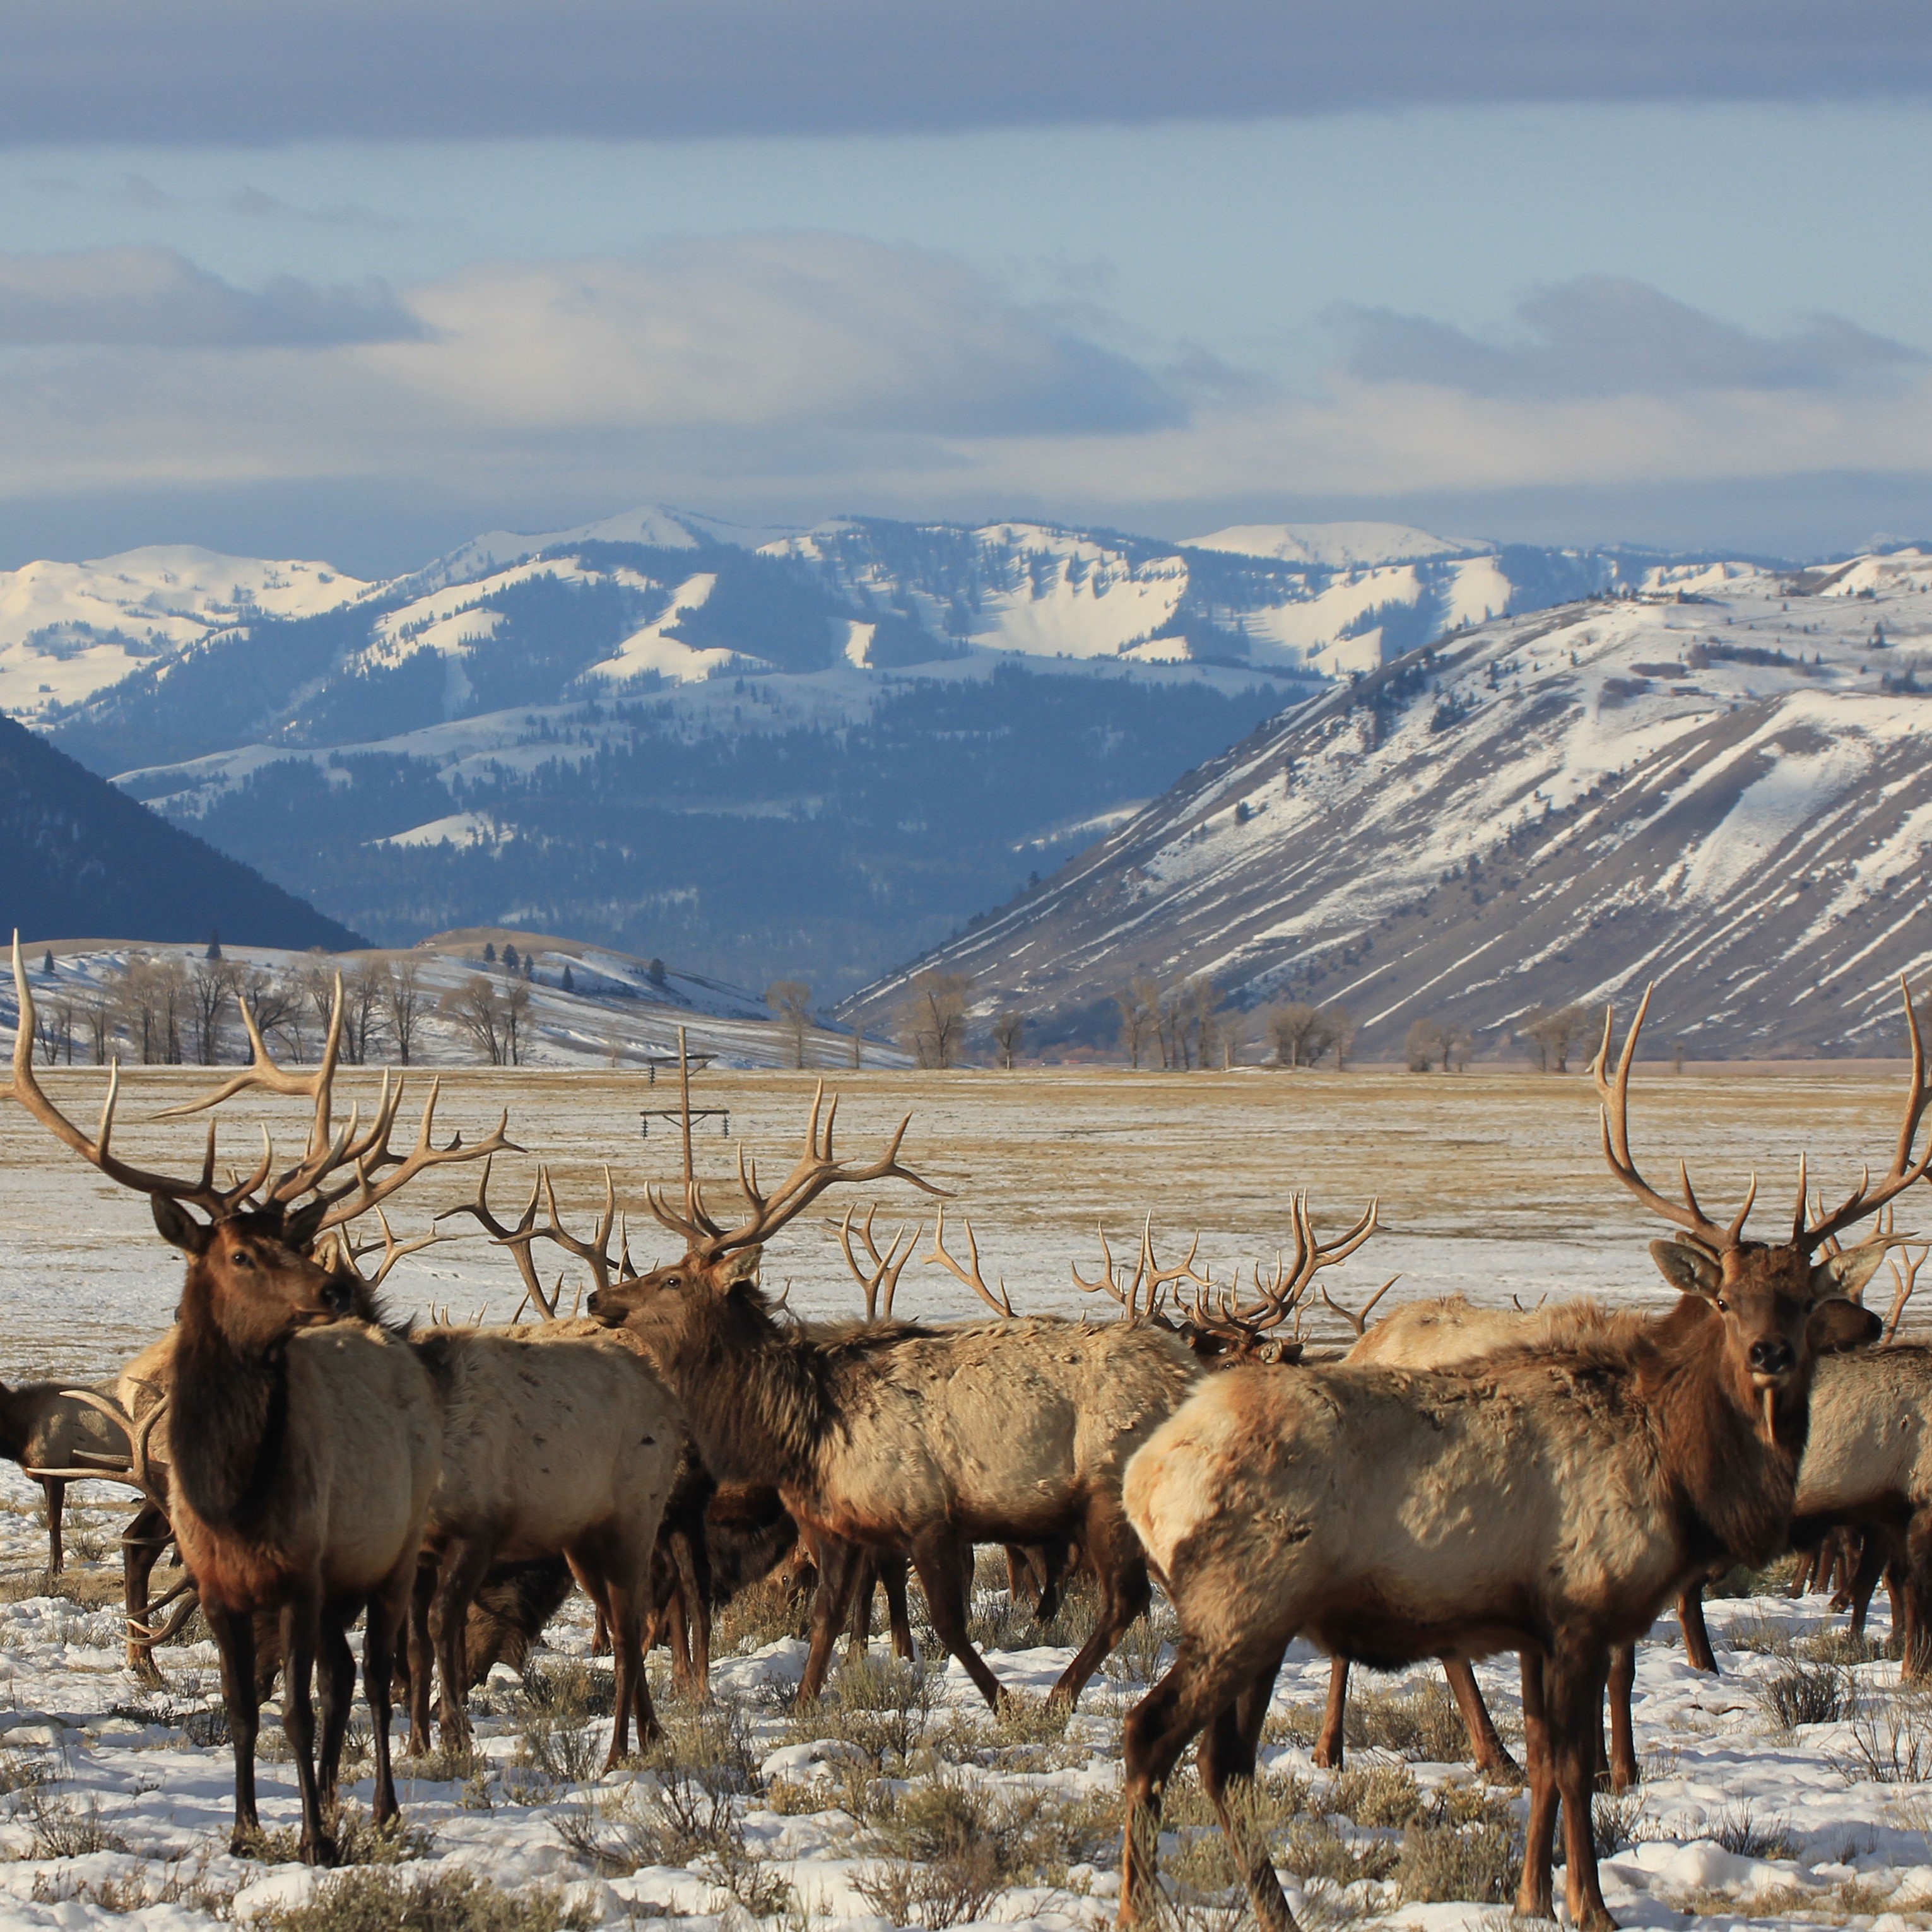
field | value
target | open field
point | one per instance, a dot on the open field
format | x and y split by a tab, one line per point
1491	1183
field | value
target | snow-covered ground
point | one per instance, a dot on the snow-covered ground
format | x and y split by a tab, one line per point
1491	1184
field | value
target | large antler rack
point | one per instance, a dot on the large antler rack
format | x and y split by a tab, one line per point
878	1275
518	1239
817	1168
1283	1292
375	1170
350	1252
1143	1295
1808	1231
98	1150
996	1299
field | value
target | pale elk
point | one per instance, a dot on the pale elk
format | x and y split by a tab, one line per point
1546	1500
303	1446
901	1437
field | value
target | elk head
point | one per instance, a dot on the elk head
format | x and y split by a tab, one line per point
1779	1306
244	1273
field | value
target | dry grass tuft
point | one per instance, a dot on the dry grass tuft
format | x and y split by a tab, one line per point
449	1901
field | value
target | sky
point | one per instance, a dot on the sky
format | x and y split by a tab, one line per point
355	281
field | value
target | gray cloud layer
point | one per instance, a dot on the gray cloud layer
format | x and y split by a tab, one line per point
1601	336
235	72
155	298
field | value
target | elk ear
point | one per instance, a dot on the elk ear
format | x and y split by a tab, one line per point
1847	1274
1688	1270
741	1265
179	1229
1837	1325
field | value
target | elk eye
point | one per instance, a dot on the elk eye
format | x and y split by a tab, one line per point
242	1258
1723	1306
675	1281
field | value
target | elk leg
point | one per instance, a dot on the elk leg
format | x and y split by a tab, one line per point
235	1640
941	1557
892	1572
600	1634
1874	1557
1114	1555
837	1571
1915	1575
1330	1746
1492	1759
141	1542
1196	1690
1697	1651
859	1639
1574	1682
1534	1898
422	1592
336	1670
694	1563
1228	1748
1623	1733
1019	1575
1054	1569
299	1620
387	1606
465	1564
626	1594
55	1491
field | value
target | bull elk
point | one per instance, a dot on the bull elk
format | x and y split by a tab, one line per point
1547	1500
303	1444
899	1436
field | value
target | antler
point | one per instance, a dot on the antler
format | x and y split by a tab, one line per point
1863	1199
1285	1294
1904	1280
817	1170
1614	1095
1145	1292
517	1239
98	1151
328	1152
138	1471
352	1251
881	1284
997	1300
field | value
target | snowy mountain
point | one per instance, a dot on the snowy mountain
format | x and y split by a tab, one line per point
807	752
1719	784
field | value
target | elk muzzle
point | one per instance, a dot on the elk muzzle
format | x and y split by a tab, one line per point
1771	1362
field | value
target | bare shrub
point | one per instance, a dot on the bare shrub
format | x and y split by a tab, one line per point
1418	1720
1141	1653
765	1613
882	1705
1479	1863
1739	1830
63	1828
1376	1794
1891	1739
1798	1693
454	1900
359	1840
1616	1820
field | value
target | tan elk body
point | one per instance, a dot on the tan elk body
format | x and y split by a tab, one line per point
1547	1500
557	1438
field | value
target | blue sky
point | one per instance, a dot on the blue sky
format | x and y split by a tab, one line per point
1608	283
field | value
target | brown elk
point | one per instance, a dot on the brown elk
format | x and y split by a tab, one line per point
900	1436
1545	1500
303	1446
47	1426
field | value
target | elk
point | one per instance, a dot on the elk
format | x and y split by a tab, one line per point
1547	1499
303	1444
46	1426
898	1436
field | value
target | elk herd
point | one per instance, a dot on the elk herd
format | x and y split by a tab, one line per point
1459	1484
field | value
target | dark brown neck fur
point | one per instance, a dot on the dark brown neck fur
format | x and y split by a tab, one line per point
228	1428
1735	1489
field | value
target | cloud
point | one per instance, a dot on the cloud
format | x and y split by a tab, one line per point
761	331
157	299
1601	336
235	72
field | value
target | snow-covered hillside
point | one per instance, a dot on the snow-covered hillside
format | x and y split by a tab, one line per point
70	630
1721	784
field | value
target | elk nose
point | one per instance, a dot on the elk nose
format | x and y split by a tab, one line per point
1770	1358
338	1295
591	1300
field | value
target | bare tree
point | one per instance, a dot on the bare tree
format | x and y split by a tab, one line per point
53	1033
516	1020
1235	1028
405	1002
1201	1021
212	988
317	981
97	1015
1457	1045
1009	1026
364	1004
150	997
1550	1031
1341	1028
278	1007
478	1009
791	1003
1299	1033
1424	1043
1137	1001
933	1021
858	1046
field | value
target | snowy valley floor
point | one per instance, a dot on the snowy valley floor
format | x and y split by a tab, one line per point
898	1801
